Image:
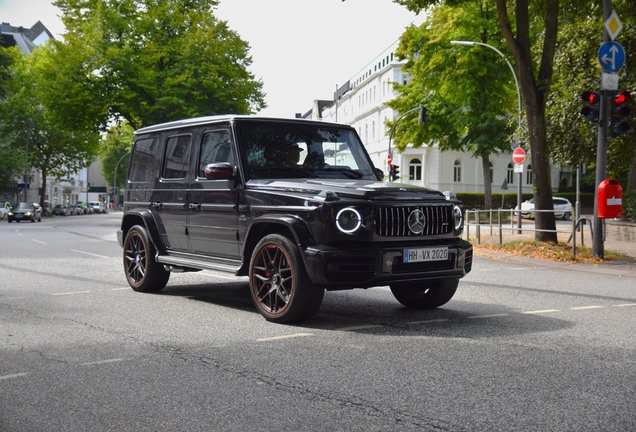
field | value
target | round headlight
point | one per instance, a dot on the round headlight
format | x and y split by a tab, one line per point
458	217
348	220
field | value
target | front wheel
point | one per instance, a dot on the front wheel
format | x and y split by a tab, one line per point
279	285
425	295
143	272
567	215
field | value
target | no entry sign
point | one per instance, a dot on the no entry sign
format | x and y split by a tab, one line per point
518	155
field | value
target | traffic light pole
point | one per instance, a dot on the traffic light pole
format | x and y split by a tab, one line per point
598	248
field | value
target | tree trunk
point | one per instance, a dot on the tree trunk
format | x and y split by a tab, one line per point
631	179
485	165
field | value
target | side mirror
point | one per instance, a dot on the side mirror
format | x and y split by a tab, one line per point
220	171
380	173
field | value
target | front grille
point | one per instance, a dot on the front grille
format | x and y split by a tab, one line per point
399	266
352	269
468	261
393	221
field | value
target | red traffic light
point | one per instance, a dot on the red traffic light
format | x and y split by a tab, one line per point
591	110
591	97
622	97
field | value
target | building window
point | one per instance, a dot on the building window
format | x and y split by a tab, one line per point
373	130
511	174
529	175
415	170
457	171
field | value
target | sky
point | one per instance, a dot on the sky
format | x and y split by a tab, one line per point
301	49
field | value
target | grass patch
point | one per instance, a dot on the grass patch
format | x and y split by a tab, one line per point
561	252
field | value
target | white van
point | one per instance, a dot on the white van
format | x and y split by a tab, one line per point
98	207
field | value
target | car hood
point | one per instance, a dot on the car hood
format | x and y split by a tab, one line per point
332	189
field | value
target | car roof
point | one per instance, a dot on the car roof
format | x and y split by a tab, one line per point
197	121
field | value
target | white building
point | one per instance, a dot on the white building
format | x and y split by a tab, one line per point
361	103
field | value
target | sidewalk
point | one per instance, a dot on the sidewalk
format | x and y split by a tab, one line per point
623	267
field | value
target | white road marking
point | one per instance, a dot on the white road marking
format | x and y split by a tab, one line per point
625	305
70	293
586	307
38	241
540	311
430	321
114	360
360	327
275	338
18	375
487	316
120	289
88	253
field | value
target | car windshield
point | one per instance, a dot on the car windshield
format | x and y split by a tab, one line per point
23	206
283	150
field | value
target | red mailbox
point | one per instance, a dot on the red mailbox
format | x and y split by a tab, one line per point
610	199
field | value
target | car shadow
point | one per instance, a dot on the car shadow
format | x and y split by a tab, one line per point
376	312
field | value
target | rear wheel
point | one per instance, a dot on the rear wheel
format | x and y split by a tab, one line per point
425	295
279	285
143	272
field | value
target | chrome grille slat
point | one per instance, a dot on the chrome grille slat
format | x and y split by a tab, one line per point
393	221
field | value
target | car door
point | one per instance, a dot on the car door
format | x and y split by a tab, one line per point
213	217
170	197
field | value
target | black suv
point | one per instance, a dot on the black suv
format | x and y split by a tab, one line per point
297	205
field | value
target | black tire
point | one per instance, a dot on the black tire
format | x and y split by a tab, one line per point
425	295
279	285
143	273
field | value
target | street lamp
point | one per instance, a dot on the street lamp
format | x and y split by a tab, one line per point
115	192
514	75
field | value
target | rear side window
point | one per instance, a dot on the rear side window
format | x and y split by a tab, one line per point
145	161
177	157
215	147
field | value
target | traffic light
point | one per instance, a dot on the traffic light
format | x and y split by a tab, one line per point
393	172
618	112
423	115
592	106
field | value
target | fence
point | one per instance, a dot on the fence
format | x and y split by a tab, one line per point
493	222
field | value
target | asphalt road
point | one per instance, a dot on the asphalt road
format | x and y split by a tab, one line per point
521	347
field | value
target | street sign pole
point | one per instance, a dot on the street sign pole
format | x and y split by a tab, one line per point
518	156
601	151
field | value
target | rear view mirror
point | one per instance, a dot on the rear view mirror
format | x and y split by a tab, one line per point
220	171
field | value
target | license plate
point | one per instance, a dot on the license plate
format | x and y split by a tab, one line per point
18	216
428	254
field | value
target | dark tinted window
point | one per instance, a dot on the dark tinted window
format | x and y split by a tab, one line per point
177	157
215	147
145	161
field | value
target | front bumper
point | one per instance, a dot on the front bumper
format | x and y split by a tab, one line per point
336	268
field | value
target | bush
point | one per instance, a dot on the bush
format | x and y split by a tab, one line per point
629	206
475	200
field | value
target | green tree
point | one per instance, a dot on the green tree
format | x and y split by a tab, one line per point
150	61
52	149
115	148
9	161
470	93
528	23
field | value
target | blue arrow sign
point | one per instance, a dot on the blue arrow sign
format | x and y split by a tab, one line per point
611	56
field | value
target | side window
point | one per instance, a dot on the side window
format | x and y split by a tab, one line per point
215	147
177	157
145	161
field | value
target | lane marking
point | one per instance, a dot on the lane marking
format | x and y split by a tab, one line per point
487	316
625	305
38	241
119	289
88	253
18	375
540	311
586	307
13	298
113	360
360	327
291	336
70	293
429	321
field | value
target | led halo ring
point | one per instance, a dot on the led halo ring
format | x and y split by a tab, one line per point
458	217
357	214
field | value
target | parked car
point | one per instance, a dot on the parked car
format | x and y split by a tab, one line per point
98	207
295	205
78	209
25	211
61	210
5	207
562	208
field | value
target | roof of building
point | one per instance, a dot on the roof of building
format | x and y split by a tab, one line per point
26	39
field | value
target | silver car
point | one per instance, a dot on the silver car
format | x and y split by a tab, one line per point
562	208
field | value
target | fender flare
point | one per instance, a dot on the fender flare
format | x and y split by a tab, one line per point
145	218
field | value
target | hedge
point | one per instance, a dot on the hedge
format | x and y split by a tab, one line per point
475	200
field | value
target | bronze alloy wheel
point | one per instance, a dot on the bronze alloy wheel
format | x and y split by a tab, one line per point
143	273
279	285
